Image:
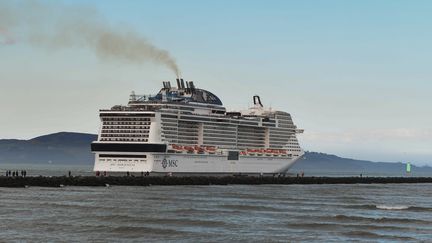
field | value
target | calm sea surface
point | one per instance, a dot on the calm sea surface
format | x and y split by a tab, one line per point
268	213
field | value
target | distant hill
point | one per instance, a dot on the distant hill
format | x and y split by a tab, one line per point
74	148
314	162
57	148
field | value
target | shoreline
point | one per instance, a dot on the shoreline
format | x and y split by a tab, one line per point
60	181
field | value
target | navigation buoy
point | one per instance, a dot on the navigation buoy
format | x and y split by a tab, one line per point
408	168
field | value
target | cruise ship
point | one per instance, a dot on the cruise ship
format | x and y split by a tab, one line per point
185	129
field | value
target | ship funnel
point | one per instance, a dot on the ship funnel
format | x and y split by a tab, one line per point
182	83
178	83
167	85
191	86
257	101
132	97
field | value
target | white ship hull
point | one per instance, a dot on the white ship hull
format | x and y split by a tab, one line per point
195	163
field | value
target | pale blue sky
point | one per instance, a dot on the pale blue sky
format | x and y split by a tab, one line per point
355	75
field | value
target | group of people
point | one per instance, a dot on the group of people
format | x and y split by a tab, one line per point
300	175
98	173
22	173
142	174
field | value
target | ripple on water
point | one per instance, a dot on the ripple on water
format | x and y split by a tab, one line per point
249	208
322	213
359	234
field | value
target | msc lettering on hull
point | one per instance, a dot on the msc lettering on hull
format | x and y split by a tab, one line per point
169	163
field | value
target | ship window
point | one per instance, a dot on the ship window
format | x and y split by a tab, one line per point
233	155
121	156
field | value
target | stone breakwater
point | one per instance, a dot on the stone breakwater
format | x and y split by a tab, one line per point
61	181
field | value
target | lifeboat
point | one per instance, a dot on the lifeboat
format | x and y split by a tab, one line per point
283	152
268	152
199	150
260	152
251	151
210	149
243	153
177	148
189	149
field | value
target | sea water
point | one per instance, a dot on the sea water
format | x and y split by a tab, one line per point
264	213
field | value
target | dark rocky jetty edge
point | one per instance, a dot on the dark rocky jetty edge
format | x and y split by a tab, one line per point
61	181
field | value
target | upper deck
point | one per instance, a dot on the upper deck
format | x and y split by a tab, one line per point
189	100
189	116
182	94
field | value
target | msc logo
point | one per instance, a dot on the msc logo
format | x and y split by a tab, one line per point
169	163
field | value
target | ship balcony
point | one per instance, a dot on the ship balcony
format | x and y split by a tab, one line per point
299	130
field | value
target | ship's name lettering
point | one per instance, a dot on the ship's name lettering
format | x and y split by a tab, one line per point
169	163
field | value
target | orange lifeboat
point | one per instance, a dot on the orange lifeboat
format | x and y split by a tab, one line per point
268	152
199	149
210	149
177	148
189	149
260	152
251	151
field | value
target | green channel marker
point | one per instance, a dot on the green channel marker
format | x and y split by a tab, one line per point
408	167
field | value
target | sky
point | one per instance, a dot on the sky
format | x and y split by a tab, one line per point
355	75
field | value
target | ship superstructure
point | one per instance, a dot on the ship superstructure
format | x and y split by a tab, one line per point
185	129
